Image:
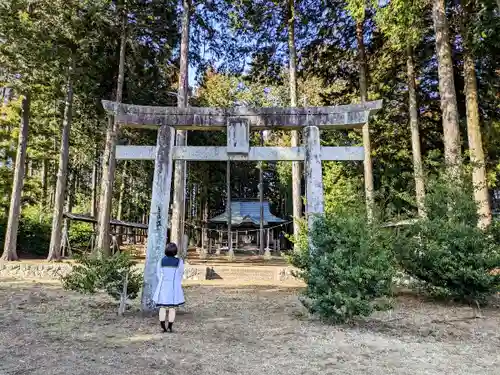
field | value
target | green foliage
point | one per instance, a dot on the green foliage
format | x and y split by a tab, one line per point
357	9
91	274
33	236
34	232
342	188
39	37
402	21
9	120
35	228
447	251
299	256
80	236
351	269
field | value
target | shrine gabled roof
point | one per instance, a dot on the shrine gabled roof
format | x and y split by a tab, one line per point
247	212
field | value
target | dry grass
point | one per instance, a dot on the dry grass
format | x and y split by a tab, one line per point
248	330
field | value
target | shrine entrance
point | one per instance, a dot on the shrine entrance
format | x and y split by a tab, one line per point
238	123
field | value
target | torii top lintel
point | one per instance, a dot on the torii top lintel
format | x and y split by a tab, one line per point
208	118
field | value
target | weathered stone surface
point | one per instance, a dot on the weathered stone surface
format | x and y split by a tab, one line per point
192	118
54	271
135	152
114	108
49	271
286	274
215	153
314	178
158	213
238	137
313	174
196	273
342	153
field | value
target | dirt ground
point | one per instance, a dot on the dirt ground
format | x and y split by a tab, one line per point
248	330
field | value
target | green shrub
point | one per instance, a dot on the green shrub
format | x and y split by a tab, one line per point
299	255
35	228
93	274
33	236
447	251
80	236
351	269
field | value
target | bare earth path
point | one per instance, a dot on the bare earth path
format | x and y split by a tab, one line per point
248	330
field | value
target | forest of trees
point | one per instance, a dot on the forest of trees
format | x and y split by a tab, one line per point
435	64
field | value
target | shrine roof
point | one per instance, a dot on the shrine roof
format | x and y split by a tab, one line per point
247	212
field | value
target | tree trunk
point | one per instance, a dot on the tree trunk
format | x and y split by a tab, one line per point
119	213
62	173
190	214
451	132
10	244
77	183
230	251
109	161
363	92
70	197
6	96
138	211
52	179
415	135
71	193
481	194
29	166
178	209
206	208
123	295
43	200
93	204
26	169
199	216
296	167
261	198
122	191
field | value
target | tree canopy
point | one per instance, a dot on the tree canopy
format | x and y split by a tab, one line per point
239	53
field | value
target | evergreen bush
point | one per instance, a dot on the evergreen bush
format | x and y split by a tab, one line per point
351	268
80	236
92	274
33	237
35	228
299	256
447	251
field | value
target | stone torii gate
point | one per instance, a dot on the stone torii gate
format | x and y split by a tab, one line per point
238	122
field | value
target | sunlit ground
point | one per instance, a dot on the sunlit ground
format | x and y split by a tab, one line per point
236	329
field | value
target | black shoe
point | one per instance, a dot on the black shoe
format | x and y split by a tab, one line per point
162	324
170	326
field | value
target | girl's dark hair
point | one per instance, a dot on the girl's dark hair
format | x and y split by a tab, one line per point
171	249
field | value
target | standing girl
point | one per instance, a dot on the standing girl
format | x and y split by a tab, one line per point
169	294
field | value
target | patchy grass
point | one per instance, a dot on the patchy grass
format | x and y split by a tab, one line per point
236	329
